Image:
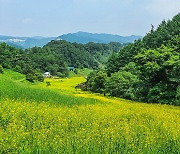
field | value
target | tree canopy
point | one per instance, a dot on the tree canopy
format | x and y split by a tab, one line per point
148	69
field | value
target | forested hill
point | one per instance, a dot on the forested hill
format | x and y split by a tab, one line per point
84	38
91	55
147	70
56	56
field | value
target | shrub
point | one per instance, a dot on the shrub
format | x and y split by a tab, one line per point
48	83
18	69
1	69
76	71
39	77
178	96
30	77
121	84
96	81
59	74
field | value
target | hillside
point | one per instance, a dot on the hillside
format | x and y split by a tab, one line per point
58	53
35	118
147	70
55	57
84	37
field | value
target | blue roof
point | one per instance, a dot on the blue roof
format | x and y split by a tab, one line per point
70	67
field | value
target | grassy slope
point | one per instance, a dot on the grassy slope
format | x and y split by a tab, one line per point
14	86
81	72
58	118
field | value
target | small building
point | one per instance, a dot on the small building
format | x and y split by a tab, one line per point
71	68
47	74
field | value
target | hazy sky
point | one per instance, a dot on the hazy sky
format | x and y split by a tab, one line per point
56	17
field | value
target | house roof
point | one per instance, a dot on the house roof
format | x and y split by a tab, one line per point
71	67
46	73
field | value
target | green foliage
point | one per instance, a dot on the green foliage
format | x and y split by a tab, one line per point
48	83
55	57
39	77
122	84
76	71
160	93
80	72
132	67
112	64
14	87
96	81
159	67
35	76
61	75
30	77
166	33
16	59
153	64
126	54
1	69
18	69
178	96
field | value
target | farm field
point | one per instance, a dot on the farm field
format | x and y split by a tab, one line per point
36	118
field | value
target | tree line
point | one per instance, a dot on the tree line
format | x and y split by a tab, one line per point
55	57
147	70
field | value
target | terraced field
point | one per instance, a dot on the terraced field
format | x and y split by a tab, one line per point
36	118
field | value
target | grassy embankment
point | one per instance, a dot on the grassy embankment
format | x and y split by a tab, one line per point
35	118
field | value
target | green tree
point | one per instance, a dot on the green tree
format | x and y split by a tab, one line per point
160	68
18	69
39	77
1	69
30	77
96	81
178	96
122	84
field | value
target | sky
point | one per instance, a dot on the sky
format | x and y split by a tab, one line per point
57	17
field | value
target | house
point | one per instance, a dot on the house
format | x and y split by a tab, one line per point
71	68
47	75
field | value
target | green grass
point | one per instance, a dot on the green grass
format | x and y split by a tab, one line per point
59	119
81	72
14	86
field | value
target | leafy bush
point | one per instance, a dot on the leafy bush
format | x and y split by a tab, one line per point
121	84
61	75
18	69
96	81
178	96
39	77
1	69
30	77
76	71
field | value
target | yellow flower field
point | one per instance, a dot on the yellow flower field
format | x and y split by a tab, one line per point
111	125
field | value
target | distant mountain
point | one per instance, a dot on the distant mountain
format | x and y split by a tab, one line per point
26	42
84	37
79	37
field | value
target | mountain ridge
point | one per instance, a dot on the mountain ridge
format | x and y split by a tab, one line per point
78	37
86	37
